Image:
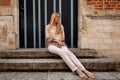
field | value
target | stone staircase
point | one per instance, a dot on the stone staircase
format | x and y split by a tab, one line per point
39	60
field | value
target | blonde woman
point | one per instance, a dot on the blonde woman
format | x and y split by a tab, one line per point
55	40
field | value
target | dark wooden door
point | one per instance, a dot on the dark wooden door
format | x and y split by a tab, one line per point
29	36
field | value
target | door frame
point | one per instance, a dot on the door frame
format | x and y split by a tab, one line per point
15	4
17	17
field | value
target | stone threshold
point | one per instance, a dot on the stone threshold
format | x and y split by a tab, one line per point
44	53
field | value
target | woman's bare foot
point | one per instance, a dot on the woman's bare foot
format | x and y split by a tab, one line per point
89	74
81	74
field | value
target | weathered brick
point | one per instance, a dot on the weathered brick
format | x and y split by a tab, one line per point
5	11
115	35
104	5
5	2
113	2
102	22
93	46
103	29
115	22
95	41
116	29
99	8
102	35
108	41
105	47
115	46
117	8
116	41
108	29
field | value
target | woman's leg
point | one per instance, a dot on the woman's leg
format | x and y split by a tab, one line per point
63	55
77	62
73	58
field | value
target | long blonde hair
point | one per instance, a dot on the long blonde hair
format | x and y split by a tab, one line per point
58	27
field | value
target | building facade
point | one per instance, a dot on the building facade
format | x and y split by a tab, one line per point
98	24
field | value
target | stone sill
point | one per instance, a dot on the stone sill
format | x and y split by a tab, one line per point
103	16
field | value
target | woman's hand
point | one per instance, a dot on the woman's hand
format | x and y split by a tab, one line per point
55	40
60	43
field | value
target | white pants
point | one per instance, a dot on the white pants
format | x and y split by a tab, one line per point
69	58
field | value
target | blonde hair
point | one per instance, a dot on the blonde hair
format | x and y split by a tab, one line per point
58	27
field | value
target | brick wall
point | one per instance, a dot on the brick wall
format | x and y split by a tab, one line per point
102	7
5	2
104	4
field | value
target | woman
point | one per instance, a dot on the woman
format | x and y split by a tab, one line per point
55	40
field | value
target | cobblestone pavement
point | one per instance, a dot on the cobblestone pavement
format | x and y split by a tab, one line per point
55	76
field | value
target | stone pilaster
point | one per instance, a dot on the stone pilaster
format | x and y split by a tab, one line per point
9	24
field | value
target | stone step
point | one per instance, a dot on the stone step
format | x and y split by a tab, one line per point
43	53
55	76
100	64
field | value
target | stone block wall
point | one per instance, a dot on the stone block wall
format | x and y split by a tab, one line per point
99	24
9	24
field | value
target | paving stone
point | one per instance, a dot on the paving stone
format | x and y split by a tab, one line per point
41	76
104	76
55	76
7	75
116	74
31	76
72	76
63	76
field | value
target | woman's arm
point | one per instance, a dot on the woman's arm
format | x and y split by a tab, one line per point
48	37
62	41
47	32
63	33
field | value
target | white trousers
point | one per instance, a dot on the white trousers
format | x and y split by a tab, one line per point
68	57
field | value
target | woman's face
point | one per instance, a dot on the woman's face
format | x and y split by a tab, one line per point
57	18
